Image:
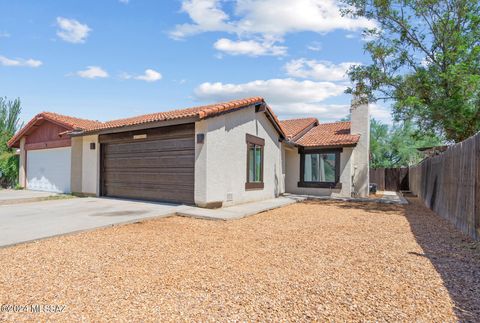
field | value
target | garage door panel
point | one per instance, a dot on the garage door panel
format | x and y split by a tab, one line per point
131	178
165	146
49	170
152	162
159	167
144	154
162	193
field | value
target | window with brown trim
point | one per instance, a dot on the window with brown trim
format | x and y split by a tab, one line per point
320	168
254	162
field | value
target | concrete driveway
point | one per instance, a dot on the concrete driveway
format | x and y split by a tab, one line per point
37	220
19	196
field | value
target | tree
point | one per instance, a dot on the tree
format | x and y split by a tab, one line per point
426	59
397	146
9	124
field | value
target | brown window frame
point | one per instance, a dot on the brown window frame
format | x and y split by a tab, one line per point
260	142
336	184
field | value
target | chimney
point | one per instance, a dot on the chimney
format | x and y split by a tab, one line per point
360	125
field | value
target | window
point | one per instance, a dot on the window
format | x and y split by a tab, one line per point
254	162
320	168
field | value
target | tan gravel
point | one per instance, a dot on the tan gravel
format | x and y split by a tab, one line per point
313	260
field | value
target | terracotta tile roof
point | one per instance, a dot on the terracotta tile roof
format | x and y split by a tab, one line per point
329	135
293	127
202	112
70	123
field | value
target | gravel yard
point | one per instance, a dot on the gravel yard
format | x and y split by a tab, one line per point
312	260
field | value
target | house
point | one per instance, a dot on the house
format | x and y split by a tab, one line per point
210	156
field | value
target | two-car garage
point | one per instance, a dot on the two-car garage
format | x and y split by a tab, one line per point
153	164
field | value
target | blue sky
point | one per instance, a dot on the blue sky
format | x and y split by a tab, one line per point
110	59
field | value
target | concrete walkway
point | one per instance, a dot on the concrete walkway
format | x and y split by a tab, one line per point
239	211
389	197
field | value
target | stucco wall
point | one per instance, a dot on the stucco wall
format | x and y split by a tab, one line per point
220	164
76	167
292	159
90	166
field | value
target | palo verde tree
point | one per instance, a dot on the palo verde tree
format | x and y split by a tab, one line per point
425	57
397	146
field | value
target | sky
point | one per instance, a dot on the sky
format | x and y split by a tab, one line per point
109	59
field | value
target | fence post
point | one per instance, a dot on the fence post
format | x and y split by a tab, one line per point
477	186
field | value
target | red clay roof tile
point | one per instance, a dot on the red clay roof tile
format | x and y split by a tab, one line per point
321	135
201	112
70	123
293	127
329	135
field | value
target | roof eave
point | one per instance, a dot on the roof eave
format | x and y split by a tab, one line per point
333	146
139	126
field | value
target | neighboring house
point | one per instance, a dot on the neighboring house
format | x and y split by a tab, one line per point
211	156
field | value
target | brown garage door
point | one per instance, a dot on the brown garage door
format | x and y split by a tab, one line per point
154	164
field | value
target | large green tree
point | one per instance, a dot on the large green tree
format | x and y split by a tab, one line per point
397	146
9	124
425	57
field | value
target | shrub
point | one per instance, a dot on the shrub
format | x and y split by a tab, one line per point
9	164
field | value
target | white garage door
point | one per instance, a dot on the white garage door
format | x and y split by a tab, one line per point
49	170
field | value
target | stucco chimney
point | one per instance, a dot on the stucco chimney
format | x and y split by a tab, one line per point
360	118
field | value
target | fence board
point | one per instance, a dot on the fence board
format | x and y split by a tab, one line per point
390	179
377	176
450	185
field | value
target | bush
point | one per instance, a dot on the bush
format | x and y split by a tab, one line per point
9	164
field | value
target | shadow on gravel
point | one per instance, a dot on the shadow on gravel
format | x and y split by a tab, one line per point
456	257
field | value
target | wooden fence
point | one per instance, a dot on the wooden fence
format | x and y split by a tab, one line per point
390	179
449	184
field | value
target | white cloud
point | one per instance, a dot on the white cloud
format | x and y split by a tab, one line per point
4	34
318	70
288	97
19	62
267	17
124	1
93	72
206	15
72	31
381	113
149	76
267	20
249	47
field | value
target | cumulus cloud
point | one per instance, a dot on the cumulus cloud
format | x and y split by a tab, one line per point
206	15
318	70
266	19
93	72
72	31
19	62
149	75
249	47
289	97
